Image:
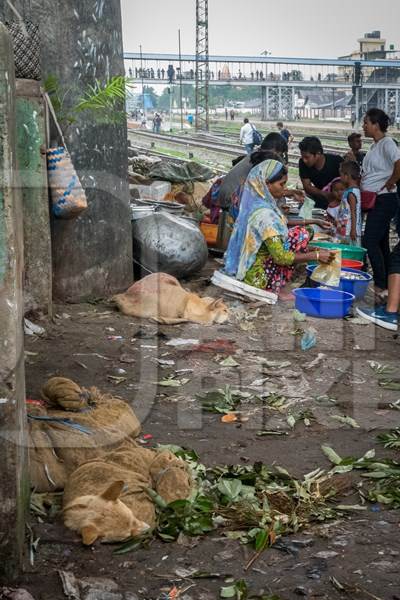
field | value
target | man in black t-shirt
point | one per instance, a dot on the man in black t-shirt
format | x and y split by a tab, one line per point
317	169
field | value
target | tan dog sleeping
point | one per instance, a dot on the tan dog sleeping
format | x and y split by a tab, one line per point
113	512
162	298
105	474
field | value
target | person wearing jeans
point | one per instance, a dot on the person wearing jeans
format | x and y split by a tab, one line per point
380	173
387	316
246	136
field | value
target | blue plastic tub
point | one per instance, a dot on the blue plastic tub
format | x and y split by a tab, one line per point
323	303
357	287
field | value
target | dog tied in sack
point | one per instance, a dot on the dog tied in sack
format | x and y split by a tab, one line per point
162	298
83	442
108	498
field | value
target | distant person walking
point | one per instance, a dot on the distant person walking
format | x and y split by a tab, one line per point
232	115
285	133
157	120
355	154
287	136
226	114
246	136
353	119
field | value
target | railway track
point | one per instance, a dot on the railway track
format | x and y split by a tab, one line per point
203	141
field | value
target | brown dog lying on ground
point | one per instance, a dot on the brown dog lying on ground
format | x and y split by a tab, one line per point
162	298
106	498
105	476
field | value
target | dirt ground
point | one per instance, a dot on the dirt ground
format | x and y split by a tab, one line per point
360	549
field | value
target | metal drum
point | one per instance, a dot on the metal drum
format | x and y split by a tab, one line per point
168	244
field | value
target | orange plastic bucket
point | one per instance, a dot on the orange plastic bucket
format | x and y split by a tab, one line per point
210	232
352	264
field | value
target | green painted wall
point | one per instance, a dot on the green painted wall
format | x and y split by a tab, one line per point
33	178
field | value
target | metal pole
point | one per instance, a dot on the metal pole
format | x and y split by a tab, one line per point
170	106
141	71
357	94
180	80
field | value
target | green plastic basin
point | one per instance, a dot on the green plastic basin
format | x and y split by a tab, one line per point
351	252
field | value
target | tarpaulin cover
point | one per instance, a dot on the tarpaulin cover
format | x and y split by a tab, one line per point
178	173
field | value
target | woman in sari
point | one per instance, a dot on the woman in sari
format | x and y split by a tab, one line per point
262	251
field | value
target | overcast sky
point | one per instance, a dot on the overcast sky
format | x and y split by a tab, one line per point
327	29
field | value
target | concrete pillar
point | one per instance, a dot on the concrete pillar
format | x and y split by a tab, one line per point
386	106
14	486
92	254
31	144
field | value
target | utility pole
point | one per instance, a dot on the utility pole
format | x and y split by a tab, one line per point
142	75
180	77
202	65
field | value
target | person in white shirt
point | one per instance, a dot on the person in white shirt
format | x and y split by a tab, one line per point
246	136
380	173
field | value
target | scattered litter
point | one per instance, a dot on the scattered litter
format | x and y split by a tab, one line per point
81	364
351	507
346	420
164	362
229	418
381	369
309	339
127	358
28	353
259	382
299	316
291	421
357	321
223	400
229	362
326	554
182	342
273	364
70	585
270	432
115	338
390	384
172	382
33	329
93	354
115	379
226	346
315	363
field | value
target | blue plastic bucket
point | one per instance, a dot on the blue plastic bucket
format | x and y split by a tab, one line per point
357	287
323	303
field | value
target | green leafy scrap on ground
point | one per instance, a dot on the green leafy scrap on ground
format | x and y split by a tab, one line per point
385	471
255	504
239	591
223	400
391	439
